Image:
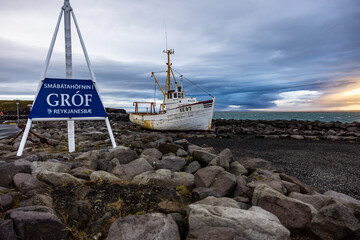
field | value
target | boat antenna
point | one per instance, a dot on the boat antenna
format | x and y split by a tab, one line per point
166	37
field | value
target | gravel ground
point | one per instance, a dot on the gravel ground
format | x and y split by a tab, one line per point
325	165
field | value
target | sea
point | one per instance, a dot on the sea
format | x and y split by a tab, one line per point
345	117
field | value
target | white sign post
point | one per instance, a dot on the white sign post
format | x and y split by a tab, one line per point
70	99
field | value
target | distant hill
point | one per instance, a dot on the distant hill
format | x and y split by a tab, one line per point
9	106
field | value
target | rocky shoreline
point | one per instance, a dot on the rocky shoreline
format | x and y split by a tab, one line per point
162	186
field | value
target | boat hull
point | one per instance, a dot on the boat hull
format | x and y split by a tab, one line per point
197	116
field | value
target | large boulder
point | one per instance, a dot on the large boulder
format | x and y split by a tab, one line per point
237	169
201	193
147	226
150	176
26	182
130	170
82	172
317	200
241	188
351	203
335	221
58	178
215	233
152	152
37	222
292	213
37	167
204	177
7	231
104	176
251	164
172	163
203	157
8	171
6	201
193	167
165	148
224	183
222	201
303	187
123	154
251	224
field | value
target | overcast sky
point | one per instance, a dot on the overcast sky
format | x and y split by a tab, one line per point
250	54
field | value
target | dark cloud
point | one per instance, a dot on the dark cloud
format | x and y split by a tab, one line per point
246	53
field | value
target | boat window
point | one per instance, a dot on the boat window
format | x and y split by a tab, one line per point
170	96
175	95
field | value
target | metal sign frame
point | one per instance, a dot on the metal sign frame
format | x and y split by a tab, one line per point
68	12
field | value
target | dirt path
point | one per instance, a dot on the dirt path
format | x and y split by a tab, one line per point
326	165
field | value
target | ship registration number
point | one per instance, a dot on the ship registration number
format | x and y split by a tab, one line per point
185	109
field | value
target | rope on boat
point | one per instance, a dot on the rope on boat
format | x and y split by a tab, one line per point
195	84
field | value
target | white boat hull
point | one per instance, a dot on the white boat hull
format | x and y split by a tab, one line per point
196	116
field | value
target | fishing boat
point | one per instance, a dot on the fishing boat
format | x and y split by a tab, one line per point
177	112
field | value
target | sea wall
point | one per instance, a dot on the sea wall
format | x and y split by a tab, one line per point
295	129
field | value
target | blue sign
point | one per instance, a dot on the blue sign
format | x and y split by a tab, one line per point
67	98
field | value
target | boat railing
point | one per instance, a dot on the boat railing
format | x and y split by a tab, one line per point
151	111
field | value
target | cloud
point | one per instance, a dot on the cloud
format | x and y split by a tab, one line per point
253	54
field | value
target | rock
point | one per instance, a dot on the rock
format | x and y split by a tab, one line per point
183	142
192	148
104	176
146	226
222	201
297	137
251	164
203	157
237	169
7	172
181	153
241	189
6	201
201	193
174	164
23	164
7	231
37	222
335	221
79	213
68	164
303	188
351	203
215	233
223	159
123	154
89	159
38	199
58	178
130	170
193	167
153	152
165	148
224	183
26	182
316	200
146	177
251	224
183	179
32	158
38	167
292	213
82	172
204	177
